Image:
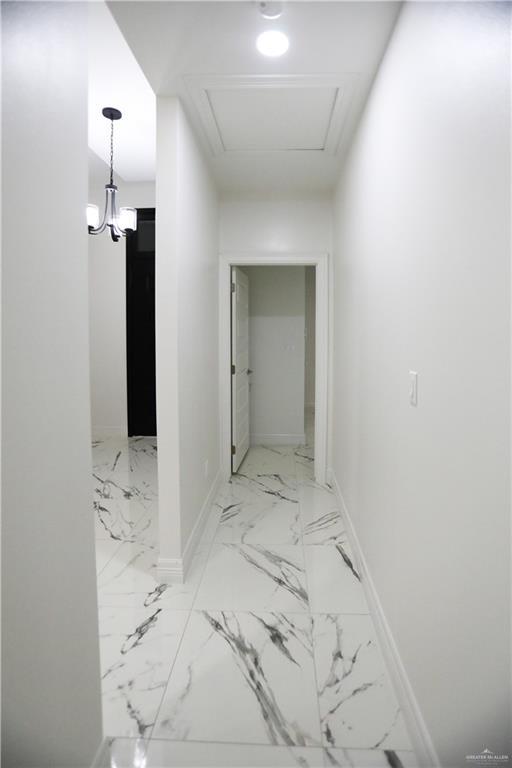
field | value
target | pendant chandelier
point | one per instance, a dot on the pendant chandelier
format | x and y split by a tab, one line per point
124	221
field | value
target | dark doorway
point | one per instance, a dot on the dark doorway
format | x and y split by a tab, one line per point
140	325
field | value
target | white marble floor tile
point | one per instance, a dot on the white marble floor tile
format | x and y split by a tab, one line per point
369	758
124	484
305	471
193	754
252	577
358	708
245	678
304	454
130	579
145	530
261	460
242	691
132	570
266	486
121	753
105	550
334	584
117	519
264	521
321	519
137	650
110	454
143	460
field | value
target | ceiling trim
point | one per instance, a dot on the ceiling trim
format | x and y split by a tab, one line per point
199	86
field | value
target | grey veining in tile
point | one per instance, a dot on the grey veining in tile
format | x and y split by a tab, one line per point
358	708
334	584
262	459
261	510
137	649
254	577
243	677
321	519
124	485
262	522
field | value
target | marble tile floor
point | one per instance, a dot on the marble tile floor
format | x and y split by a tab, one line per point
267	655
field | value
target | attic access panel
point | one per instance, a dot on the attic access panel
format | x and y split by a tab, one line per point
274	113
272	119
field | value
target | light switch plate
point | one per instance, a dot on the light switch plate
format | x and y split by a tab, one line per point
413	388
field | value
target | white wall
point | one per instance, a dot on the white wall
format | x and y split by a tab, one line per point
283	224
107	306
276	354
51	706
276	224
187	330
310	309
422	282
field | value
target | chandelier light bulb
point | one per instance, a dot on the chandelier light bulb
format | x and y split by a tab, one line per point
128	218
93	216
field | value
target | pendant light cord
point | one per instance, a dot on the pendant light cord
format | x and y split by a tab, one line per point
111	152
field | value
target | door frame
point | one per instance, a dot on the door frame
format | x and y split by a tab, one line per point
272	259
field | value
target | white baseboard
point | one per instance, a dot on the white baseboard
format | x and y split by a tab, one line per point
197	531
262	439
100	433
174	570
417	728
170	570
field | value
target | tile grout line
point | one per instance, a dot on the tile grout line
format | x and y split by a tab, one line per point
312	625
190	611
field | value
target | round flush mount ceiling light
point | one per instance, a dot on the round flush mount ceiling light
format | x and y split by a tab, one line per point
272	10
272	43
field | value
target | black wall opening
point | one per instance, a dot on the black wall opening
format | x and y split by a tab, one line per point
140	325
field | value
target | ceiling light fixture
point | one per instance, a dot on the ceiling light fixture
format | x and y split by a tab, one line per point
271	10
120	223
272	43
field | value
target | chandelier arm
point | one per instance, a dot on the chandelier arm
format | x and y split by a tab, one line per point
119	229
114	214
115	218
101	228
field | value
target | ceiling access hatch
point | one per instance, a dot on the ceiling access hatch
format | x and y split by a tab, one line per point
274	113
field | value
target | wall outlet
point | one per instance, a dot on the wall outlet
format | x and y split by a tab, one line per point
206	468
413	388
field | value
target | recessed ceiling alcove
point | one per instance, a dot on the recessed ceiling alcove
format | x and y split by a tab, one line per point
275	113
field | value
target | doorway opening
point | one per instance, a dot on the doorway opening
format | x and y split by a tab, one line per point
273	344
272	359
140	326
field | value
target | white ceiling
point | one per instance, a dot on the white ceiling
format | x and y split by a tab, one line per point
266	124
116	80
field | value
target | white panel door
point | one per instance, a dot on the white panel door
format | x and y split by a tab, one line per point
239	366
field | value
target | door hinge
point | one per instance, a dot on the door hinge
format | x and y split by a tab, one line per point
233	450
233	370
233	287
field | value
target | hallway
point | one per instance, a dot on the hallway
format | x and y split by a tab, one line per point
317	625
267	656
